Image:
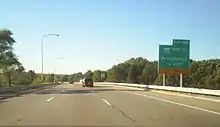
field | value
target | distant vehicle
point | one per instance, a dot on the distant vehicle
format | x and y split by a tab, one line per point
88	82
71	82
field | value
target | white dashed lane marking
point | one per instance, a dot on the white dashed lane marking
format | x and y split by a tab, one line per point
106	102
50	99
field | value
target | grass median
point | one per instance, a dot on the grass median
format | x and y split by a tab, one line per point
20	91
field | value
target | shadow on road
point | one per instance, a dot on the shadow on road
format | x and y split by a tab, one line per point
82	91
63	91
1	101
6	96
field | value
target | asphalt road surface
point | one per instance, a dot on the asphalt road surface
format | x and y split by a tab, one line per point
106	105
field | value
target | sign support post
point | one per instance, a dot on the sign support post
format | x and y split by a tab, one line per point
174	59
164	79
181	80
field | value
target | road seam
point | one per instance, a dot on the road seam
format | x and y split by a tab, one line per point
50	99
176	103
124	114
106	102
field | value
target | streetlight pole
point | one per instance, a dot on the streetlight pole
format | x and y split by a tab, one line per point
42	54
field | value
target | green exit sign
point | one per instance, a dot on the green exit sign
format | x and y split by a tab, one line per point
174	58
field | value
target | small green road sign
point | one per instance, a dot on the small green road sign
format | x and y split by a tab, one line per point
174	58
102	75
181	50
181	42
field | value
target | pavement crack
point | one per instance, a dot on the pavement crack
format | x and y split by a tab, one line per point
119	110
123	113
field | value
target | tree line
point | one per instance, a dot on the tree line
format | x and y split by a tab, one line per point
203	74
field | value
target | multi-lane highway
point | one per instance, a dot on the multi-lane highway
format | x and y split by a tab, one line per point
106	105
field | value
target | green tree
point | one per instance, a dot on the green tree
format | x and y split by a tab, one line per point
6	42
149	73
203	74
1	79
49	77
37	79
97	76
8	60
23	78
132	74
70	78
58	78
65	78
115	74
88	74
31	74
10	65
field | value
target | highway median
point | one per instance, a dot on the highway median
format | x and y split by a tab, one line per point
17	90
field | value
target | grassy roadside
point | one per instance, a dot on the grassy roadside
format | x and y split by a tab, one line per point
28	91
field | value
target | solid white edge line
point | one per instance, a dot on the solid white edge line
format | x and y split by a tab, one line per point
207	99
175	94
177	103
106	102
189	96
50	99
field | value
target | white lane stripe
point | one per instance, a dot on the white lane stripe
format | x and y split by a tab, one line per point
177	94
50	99
207	99
106	102
189	96
176	103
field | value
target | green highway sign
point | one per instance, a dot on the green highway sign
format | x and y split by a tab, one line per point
174	58
181	49
165	55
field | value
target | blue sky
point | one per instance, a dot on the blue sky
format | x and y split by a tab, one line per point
96	34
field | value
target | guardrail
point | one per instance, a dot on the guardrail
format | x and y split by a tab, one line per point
168	88
19	88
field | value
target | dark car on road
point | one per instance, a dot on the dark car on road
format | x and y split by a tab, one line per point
88	82
71	82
